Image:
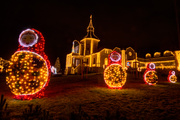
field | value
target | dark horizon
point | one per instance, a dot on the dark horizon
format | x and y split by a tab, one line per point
146	26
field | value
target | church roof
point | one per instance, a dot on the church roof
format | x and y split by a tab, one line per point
90	30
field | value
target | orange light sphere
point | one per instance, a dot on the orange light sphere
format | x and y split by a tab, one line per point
27	73
115	76
150	77
172	77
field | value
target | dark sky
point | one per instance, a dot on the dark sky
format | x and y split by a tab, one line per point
147	25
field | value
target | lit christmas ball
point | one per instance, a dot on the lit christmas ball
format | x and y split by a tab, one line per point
172	77
115	76
27	73
150	77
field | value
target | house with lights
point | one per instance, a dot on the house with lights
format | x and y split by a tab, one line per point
169	60
85	57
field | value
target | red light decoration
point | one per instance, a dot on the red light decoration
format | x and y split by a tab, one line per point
114	57
172	77
114	74
29	71
150	75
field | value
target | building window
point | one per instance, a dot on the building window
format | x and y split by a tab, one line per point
87	49
94	61
73	61
106	61
77	62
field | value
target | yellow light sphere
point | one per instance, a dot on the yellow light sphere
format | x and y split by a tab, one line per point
115	76
173	78
27	73
150	77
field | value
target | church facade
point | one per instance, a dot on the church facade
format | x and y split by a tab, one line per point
85	57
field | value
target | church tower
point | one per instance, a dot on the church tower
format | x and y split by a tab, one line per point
89	43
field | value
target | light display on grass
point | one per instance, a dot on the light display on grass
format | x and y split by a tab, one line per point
115	75
150	75
172	77
53	70
29	70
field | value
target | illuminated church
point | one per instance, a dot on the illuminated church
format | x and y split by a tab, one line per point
85	57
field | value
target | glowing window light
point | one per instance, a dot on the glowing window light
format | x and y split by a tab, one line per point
28	38
172	77
128	64
150	75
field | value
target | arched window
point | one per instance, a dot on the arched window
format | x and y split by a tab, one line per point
75	46
106	61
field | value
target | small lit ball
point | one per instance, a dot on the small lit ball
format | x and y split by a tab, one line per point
150	77
115	76
27	73
172	77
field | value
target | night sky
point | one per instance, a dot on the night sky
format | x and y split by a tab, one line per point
146	26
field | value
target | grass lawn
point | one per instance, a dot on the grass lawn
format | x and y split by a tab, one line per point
136	100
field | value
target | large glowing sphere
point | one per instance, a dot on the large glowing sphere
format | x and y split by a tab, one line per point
27	73
115	76
150	77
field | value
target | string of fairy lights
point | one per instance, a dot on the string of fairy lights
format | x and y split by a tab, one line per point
115	75
150	75
29	69
172	77
28	73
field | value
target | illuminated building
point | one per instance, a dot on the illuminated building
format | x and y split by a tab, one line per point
85	56
169	60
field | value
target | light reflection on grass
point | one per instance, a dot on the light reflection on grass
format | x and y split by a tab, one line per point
136	100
